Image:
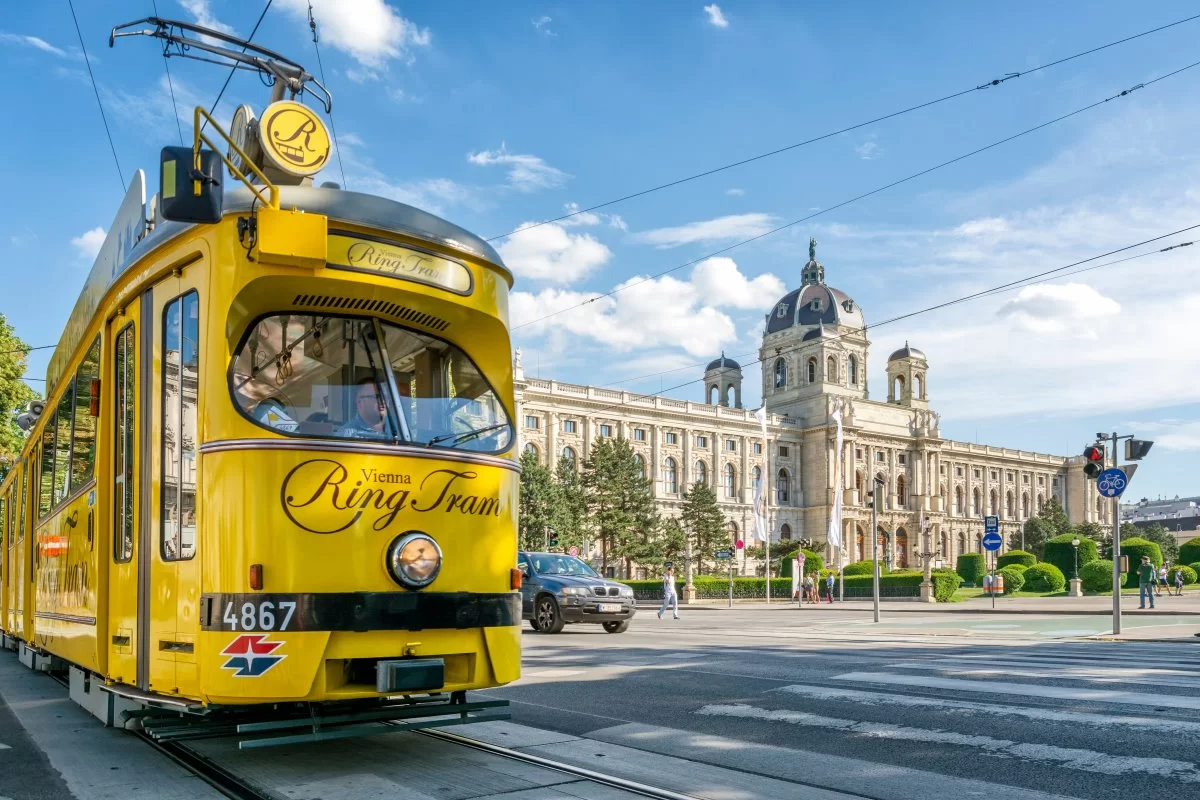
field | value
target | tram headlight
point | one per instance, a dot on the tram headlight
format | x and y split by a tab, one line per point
414	560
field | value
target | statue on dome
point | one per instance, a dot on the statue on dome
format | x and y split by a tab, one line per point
812	249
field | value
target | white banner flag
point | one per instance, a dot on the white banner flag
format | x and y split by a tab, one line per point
760	502
835	519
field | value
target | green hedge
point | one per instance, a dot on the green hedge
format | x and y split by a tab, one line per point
1195	567
1044	578
972	567
1190	575
896	584
1189	551
1013	577
1059	552
1097	575
906	584
1016	557
813	562
1135	548
863	568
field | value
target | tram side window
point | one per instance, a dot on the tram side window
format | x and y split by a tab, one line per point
62	448
24	494
83	439
181	374
46	482
123	446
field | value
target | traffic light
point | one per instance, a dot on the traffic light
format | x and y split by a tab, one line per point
1136	449
1094	460
554	540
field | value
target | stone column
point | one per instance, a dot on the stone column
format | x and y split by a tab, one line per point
589	424
686	468
745	493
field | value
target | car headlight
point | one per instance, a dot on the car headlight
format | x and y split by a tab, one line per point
626	591
414	559
574	590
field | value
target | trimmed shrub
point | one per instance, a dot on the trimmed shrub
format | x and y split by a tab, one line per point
1190	575
1189	551
863	568
1195	567
1016	557
972	567
1135	548
1059	552
813	562
1044	578
1097	575
1019	567
1013	578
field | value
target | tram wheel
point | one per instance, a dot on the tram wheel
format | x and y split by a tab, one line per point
546	617
616	627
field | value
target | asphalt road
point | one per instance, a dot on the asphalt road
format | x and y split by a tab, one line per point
1011	701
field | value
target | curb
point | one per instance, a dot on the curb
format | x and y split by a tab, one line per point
939	608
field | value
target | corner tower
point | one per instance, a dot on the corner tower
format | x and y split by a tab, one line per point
906	371
724	378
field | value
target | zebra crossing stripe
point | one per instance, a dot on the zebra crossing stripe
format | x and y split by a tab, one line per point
1111	696
1075	758
1025	670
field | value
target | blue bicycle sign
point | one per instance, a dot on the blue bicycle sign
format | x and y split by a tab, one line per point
1111	482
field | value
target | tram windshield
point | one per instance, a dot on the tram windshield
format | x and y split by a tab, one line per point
353	378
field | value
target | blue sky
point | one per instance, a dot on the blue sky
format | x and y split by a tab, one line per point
495	115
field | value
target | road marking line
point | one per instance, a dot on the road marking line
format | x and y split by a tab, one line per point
1116	675
1026	689
954	706
1069	757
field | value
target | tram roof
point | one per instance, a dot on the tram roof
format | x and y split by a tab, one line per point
130	238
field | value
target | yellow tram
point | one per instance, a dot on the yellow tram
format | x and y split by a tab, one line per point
275	464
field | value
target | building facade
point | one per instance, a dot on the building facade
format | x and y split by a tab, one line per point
814	357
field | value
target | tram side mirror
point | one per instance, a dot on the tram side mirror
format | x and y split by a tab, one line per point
178	200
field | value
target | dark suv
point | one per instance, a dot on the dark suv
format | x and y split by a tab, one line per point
558	589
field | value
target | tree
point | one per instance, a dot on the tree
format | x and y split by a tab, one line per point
1091	530
569	510
536	507
1051	521
1165	540
14	394
704	523
620	507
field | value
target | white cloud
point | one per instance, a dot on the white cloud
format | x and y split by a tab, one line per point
735	192
34	41
736	226
428	194
550	253
715	17
719	283
203	15
369	31
526	173
542	26
88	243
590	218
1058	308
1171	434
868	150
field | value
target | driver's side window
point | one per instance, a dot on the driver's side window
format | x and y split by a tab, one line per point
523	565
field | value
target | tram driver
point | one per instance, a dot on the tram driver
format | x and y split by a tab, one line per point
370	412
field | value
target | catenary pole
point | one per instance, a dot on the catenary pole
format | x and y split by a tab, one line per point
1116	532
875	549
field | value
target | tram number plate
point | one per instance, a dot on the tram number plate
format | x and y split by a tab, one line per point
266	615
609	608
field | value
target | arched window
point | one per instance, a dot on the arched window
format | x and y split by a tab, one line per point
701	473
781	486
756	478
881	482
1099	508
979	543
946	546
712	398
962	543
785	532
530	447
568	454
853	371
1010	506
730	481
830	369
901	559
859	543
898	388
1025	505
919	386
812	370
958	501
780	373
976	502
641	464
858	484
670	476
729	396
901	492
994	503
1041	503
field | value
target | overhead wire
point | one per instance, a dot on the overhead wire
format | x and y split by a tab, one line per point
170	83
742	243
96	89
232	71
312	24
926	104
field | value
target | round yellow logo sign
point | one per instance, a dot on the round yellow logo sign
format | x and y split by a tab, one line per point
293	138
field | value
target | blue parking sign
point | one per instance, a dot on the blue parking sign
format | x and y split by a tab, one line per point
991	524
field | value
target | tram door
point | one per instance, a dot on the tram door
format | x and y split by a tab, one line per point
168	603
123	411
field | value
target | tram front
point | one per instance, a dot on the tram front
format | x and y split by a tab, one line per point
359	489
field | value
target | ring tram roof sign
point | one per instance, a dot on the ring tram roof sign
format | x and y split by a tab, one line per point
293	138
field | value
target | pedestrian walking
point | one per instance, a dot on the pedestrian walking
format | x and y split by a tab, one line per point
829	586
1178	581
669	596
1162	580
1146	577
810	588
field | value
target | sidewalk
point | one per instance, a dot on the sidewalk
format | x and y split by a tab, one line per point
1099	605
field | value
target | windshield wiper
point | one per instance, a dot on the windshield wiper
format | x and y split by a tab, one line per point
455	438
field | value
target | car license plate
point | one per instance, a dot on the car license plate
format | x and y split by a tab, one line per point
609	608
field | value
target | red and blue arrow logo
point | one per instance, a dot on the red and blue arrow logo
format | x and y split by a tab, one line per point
251	655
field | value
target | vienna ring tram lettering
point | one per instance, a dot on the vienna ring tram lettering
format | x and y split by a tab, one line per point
319	496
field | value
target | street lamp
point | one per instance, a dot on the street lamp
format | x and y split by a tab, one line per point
1075	544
